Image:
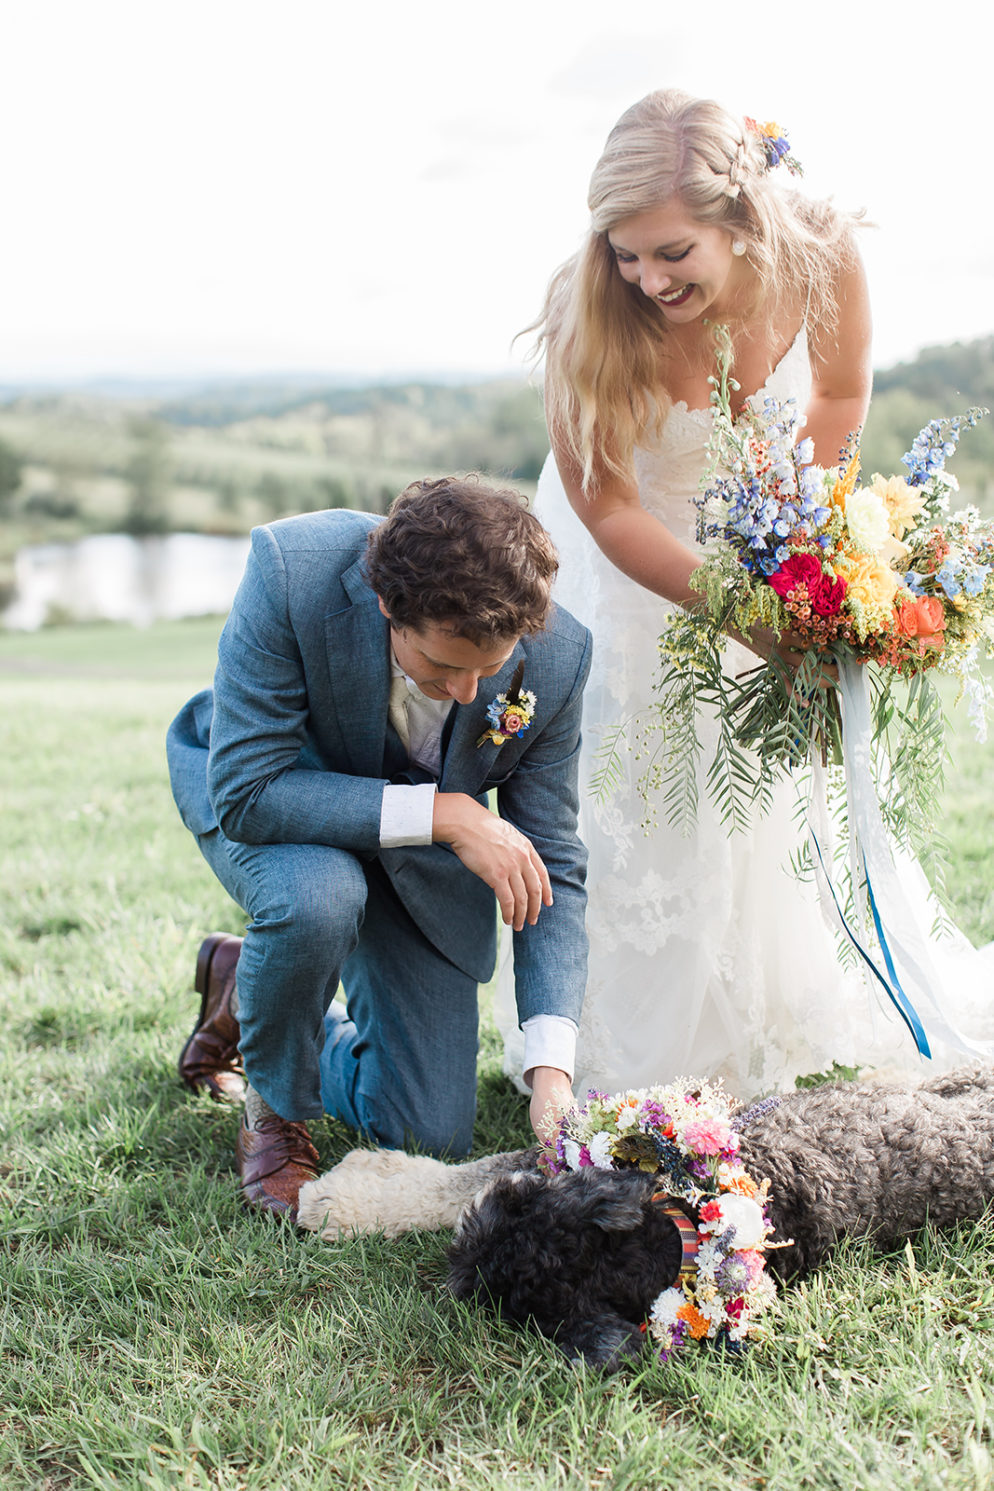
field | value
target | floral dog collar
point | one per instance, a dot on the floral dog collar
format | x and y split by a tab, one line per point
684	1133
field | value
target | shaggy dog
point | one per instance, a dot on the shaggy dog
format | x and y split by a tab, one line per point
583	1255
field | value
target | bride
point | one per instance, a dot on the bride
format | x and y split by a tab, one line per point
707	954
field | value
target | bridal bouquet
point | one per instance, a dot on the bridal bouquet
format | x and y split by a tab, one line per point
878	586
878	575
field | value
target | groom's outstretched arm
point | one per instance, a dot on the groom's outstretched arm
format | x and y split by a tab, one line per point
540	799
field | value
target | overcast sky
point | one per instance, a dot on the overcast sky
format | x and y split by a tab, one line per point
376	187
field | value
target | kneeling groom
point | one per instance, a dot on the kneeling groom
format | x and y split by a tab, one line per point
335	779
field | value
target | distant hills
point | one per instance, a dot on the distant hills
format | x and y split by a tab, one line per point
962	370
218	455
939	382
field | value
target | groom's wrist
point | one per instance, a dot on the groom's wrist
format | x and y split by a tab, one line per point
550	1041
406	814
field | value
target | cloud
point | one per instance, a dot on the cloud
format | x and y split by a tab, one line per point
611	65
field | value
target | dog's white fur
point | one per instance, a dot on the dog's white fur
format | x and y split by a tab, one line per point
390	1192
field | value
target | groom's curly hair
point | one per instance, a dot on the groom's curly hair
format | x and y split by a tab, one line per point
460	552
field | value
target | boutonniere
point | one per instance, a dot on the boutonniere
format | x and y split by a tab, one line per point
509	714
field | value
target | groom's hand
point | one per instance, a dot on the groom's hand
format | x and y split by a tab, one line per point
552	1096
493	849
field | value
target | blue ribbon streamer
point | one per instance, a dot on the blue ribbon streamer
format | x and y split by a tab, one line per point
895	994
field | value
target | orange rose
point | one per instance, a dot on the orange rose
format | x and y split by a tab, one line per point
924	619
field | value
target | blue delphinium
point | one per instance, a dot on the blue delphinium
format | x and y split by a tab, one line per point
959	574
933	446
754	521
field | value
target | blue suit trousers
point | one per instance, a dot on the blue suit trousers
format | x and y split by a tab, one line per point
399	1062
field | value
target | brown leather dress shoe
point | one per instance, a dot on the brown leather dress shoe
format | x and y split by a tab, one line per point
210	1061
274	1160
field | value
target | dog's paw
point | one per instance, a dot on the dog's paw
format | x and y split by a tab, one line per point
355	1198
341	1203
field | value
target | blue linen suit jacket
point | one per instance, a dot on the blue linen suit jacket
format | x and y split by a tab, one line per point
293	745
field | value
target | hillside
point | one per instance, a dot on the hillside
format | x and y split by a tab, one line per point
219	458
941	381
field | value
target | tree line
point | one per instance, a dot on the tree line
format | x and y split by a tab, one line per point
232	454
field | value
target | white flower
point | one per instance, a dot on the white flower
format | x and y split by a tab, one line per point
571	1153
600	1151
665	1307
867	519
763	1294
628	1117
709	1259
894	552
713	1310
745	1218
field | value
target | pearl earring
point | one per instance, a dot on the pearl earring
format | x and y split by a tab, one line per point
738	247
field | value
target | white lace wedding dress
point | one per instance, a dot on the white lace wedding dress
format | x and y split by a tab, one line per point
707	955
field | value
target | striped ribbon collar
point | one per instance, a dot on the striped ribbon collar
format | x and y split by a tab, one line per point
689	1236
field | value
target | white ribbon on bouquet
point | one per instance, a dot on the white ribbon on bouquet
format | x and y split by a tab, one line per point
901	962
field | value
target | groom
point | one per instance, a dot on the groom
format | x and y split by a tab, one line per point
376	679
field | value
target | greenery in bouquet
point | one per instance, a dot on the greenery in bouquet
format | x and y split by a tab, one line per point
879	573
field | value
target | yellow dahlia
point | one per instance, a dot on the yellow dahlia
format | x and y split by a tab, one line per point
903	502
870	589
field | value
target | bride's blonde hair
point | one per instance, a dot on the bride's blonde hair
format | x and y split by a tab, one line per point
602	336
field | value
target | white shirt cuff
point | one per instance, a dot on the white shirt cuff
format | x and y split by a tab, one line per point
550	1040
406	814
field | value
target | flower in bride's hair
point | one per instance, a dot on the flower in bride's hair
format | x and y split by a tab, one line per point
776	146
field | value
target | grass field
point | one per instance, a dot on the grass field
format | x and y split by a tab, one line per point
154	1336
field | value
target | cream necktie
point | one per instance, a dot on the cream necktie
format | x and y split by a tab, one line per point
399	695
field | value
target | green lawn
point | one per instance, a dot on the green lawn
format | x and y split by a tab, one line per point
154	1336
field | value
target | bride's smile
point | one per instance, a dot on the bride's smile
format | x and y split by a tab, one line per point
684	266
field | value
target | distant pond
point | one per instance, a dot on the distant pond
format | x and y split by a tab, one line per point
113	577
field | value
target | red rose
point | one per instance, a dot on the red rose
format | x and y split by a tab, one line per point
799	569
828	595
825	592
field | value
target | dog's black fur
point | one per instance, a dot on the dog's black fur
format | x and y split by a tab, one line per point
582	1256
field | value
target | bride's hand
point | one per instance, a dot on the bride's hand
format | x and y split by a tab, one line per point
789	647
